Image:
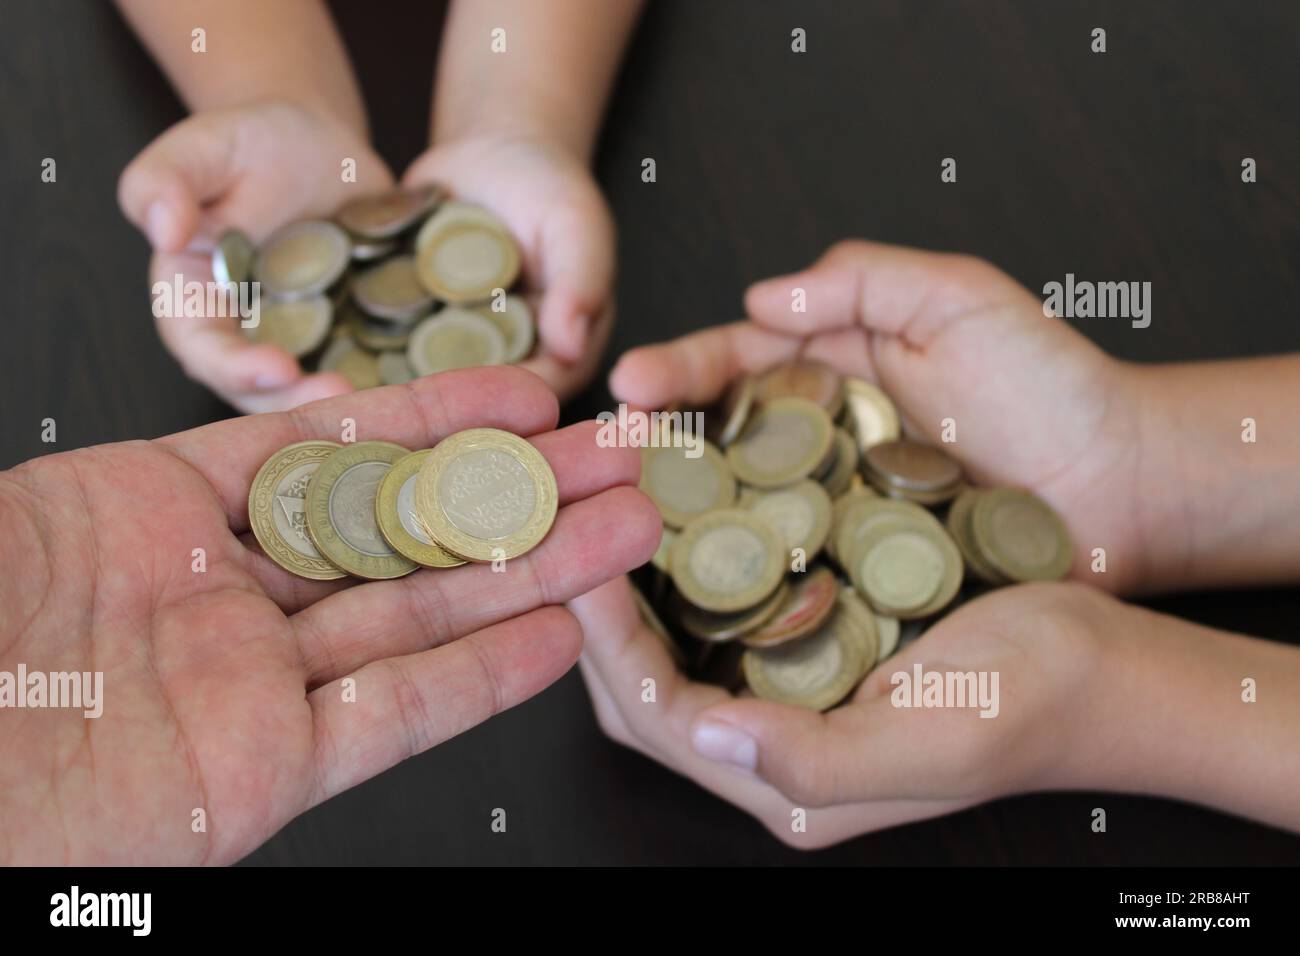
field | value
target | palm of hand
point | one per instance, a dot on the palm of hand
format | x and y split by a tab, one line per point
204	694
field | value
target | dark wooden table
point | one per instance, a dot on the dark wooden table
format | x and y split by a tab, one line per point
1123	166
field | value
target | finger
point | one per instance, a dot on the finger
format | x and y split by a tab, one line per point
211	348
576	262
162	190
417	415
402	706
592	541
888	289
696	368
290	592
565	378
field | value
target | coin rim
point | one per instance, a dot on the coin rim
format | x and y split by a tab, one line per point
420	332
796	469
752	661
670	516
981	532
263	524
504	279
678	558
390	524
328	278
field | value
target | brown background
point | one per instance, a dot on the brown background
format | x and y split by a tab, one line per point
1117	166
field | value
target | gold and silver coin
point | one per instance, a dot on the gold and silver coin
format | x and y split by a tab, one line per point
341	511
302	259
837	476
716	628
399	520
393	368
683	487
298	326
391	290
358	366
232	258
465	256
277	509
454	338
724	423
384	215
804	378
486	495
727	560
909	469
869	414
376	335
959	526
906	567
1020	535
817	672
786	439
803	610
518	328
800	514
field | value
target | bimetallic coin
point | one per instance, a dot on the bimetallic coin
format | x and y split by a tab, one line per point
392	291
910	469
1021	536
844	465
816	672
341	511
398	520
800	514
815	381
454	338
376	334
393	368
486	495
888	629
864	630
660	557
727	560
785	440
515	320
869	414
959	526
298	326
277	509
357	365
725	422
232	258
368	250
302	259
906	568
858	518
384	215
717	628
683	487
804	609
464	260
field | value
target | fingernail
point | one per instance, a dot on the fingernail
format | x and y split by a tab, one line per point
156	221
725	743
269	380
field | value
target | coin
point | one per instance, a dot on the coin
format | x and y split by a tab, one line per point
683	487
800	514
298	326
465	259
809	602
906	567
660	558
717	628
341	511
815	381
384	215
863	513
725	423
398	520
888	629
910	469
515	320
277	509
232	258
1021	536
454	338
358	366
816	672
368	250
727	560
391	290
864	630
869	414
302	259
959	526
843	464
785	440
393	368
486	495
376	334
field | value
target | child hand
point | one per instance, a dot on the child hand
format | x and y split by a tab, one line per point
565	233
255	168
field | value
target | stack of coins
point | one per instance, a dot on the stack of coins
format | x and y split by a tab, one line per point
376	510
808	540
399	284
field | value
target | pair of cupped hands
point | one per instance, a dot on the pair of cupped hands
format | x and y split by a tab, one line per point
260	167
224	688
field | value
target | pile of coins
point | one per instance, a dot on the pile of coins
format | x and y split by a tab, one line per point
801	463
376	510
401	284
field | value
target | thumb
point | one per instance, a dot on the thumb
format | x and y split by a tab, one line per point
163	189
577	274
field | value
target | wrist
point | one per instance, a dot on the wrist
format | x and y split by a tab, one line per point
531	121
